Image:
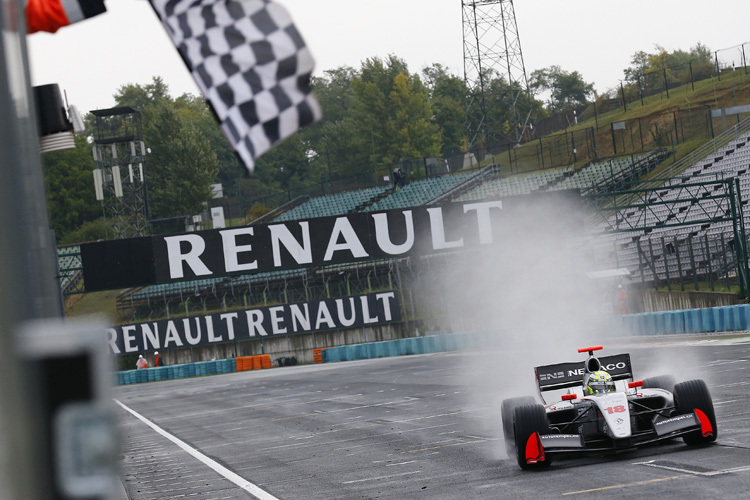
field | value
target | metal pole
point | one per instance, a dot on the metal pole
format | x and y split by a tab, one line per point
624	104
666	264
28	288
679	263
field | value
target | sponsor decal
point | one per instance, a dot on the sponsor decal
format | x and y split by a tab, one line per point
563	436
287	319
676	419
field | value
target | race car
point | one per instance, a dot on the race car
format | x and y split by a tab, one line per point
604	410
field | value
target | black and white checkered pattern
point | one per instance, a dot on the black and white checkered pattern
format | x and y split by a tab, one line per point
251	65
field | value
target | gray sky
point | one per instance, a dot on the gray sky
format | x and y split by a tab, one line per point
90	60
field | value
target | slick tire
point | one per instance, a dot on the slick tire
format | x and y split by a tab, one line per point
506	412
527	420
690	395
666	382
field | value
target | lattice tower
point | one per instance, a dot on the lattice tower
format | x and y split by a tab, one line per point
120	175
492	50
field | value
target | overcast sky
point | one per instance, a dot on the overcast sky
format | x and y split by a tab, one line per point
92	59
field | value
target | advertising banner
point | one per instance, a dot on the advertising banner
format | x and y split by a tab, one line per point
322	241
270	321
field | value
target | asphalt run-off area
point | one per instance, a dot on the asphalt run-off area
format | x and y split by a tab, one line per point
425	426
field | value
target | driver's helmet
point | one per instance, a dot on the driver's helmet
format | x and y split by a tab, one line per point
600	382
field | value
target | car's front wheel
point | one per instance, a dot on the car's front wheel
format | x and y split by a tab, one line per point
690	396
506	412
529	423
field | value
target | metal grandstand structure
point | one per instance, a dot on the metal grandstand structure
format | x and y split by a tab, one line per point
119	177
492	47
686	230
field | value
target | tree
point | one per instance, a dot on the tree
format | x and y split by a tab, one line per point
567	90
181	166
391	109
648	70
70	188
448	101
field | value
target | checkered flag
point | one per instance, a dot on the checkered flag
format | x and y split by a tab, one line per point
251	65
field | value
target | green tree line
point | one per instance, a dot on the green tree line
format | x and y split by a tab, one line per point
374	117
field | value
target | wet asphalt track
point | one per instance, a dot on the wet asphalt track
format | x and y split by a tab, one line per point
411	427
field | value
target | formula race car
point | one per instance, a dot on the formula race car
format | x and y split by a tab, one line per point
603	410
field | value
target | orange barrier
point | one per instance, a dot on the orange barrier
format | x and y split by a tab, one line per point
317	355
265	361
253	362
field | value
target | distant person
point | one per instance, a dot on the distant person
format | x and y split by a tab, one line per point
157	359
622	299
141	363
400	177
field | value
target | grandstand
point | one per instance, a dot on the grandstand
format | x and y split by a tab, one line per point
70	267
684	225
680	227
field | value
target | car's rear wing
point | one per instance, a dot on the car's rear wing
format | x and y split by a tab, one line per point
564	375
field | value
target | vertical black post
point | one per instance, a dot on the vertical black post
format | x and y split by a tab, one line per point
624	103
653	264
708	259
744	61
666	264
666	85
742	234
679	263
692	261
676	135
725	270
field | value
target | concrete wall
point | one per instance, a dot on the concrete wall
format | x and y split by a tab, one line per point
640	301
299	346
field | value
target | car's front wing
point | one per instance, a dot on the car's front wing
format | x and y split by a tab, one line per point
663	430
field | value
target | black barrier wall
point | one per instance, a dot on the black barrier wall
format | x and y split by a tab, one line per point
317	242
260	322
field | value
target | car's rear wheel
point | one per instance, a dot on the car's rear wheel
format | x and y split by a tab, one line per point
666	382
692	395
529	420
506	412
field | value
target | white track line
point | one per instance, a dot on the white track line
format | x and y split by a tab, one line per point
223	471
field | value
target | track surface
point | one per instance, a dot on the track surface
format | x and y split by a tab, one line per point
411	427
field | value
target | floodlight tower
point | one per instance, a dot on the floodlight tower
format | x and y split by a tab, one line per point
119	177
492	50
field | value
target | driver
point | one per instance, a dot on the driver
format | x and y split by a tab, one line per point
600	382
